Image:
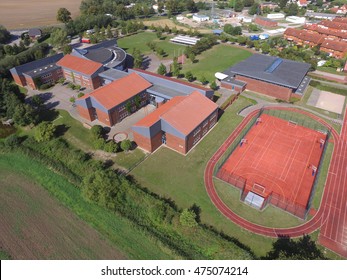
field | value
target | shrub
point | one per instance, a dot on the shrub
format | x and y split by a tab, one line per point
72	99
99	143
12	141
125	145
188	218
213	85
80	94
44	132
45	86
97	131
111	147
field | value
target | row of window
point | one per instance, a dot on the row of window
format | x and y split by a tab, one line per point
46	75
196	140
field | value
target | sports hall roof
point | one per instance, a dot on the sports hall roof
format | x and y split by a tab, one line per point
283	72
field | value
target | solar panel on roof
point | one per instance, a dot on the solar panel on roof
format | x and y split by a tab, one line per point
274	65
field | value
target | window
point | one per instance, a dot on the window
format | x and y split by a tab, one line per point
196	131
212	117
205	123
85	78
204	131
196	140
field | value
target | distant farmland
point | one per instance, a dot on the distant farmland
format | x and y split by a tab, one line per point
21	14
36	226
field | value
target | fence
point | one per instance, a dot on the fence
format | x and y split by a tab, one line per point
319	167
231	178
235	143
288	205
297	118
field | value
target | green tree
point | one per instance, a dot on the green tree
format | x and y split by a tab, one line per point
248	3
97	131
125	145
67	49
36	101
161	69
109	34
128	107
292	9
101	188
285	248
242	40
12	141
188	218
63	15
203	80
159	34
24	114
111	147
59	38
239	5
189	76
213	85
137	101
192	57
44	132
254	9
282	3
4	35
265	47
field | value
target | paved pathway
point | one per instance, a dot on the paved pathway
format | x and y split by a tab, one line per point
261	103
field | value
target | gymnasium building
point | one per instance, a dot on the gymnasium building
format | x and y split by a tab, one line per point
273	76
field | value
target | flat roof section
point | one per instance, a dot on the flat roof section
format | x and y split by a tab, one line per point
113	74
283	72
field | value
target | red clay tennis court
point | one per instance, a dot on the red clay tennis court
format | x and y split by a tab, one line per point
276	164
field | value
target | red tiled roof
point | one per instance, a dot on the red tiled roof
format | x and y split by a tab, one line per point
153	117
303	2
120	90
334	24
190	112
305	36
340	19
334	45
172	79
78	64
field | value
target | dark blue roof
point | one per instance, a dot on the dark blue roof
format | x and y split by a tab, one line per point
29	67
283	72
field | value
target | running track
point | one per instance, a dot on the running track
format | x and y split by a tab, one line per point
331	217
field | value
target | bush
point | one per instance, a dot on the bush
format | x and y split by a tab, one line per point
97	131
125	145
99	144
44	132
188	218
72	99
80	94
12	141
213	85
45	86
111	147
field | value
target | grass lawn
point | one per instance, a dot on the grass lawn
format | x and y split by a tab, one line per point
270	217
219	58
120	232
330	70
75	132
180	178
140	40
81	137
323	176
